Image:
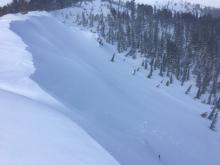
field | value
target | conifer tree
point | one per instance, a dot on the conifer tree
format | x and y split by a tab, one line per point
214	121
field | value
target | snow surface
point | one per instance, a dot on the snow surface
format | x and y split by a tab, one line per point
32	133
126	114
33	126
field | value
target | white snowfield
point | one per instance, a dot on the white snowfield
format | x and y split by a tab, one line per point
131	118
33	128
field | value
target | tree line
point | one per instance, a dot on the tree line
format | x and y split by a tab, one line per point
24	6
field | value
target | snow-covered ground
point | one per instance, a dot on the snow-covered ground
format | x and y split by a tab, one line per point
33	133
34	128
131	118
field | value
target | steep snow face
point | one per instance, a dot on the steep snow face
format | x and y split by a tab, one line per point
135	121
16	79
33	126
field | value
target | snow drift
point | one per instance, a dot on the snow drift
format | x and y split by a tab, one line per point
33	128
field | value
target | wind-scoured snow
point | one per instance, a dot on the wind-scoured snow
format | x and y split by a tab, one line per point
131	118
34	129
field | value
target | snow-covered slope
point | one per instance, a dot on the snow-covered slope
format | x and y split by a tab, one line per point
33	126
126	114
32	133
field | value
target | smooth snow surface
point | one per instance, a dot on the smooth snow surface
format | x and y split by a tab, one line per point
126	114
33	134
34	129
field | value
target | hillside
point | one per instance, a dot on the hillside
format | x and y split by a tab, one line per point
210	3
131	118
102	83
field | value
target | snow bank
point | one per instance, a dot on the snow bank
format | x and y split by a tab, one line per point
33	130
32	133
128	115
